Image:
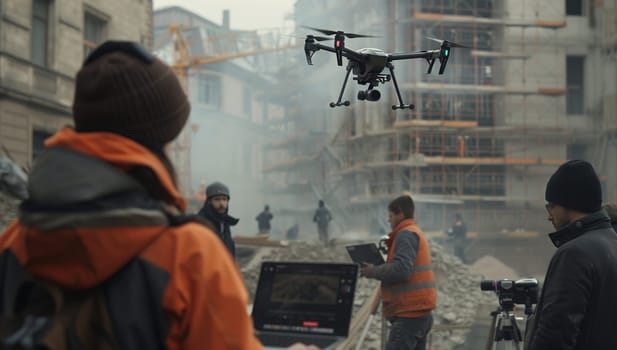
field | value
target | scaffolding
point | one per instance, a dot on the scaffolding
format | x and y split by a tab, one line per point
459	135
456	151
484	137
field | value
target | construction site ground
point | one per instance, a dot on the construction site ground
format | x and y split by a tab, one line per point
462	319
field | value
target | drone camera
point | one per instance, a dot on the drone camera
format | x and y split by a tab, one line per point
373	95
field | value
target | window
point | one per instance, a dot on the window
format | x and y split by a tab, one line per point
38	141
209	90
40	32
574	7
575	78
576	151
94	32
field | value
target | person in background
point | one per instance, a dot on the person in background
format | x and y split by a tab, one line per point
216	211
292	232
263	220
458	234
322	218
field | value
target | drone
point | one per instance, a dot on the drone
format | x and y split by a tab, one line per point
368	64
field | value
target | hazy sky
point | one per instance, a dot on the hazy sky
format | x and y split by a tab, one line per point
244	14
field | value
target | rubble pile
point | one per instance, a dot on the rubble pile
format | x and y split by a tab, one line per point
458	289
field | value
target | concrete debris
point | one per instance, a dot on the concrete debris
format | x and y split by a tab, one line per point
13	180
8	210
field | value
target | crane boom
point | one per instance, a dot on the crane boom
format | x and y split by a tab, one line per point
182	61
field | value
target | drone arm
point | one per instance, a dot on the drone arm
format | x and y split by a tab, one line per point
317	47
405	56
351	54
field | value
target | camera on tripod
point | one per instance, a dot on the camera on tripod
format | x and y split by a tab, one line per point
523	291
505	333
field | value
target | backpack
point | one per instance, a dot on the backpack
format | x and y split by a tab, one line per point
46	317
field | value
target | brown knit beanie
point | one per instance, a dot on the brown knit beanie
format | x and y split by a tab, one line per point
122	88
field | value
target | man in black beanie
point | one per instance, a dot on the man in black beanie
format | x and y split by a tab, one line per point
577	308
216	212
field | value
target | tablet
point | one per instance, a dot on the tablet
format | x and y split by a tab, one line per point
365	253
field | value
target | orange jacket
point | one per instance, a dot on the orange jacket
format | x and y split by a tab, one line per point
417	296
167	285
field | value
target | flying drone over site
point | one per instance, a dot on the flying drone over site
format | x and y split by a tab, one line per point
368	64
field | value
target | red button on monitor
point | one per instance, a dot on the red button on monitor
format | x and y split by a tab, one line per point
310	324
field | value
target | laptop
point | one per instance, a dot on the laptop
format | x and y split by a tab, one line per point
365	253
310	303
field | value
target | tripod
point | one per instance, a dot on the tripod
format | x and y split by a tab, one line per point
504	333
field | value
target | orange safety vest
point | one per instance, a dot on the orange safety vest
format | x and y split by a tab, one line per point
417	296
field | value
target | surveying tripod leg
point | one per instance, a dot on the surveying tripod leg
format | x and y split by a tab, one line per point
507	334
490	340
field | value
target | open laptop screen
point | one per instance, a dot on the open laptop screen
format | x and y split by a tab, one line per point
312	298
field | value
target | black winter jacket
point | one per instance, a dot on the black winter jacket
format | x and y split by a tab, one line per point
221	226
578	305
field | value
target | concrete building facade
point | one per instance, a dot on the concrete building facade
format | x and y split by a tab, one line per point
42	46
535	88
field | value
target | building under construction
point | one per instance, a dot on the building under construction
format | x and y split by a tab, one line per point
535	87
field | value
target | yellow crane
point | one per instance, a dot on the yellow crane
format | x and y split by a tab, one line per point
183	60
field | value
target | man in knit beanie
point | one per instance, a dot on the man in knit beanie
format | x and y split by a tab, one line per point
104	220
576	308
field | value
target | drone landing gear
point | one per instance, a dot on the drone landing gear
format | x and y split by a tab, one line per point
401	105
340	96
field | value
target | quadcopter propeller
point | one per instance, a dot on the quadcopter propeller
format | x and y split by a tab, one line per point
449	43
310	36
319	38
333	32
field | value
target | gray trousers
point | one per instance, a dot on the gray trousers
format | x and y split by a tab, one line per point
409	333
